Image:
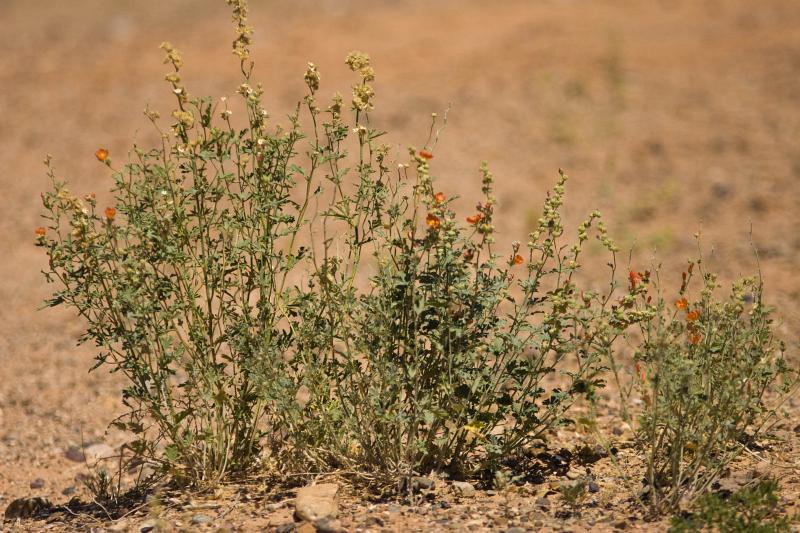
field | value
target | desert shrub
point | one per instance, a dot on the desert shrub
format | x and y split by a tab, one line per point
184	281
452	354
243	267
707	369
752	509
284	297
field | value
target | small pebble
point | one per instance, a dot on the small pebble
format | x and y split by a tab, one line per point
74	453
328	525
201	519
274	506
69	491
424	483
37	483
463	489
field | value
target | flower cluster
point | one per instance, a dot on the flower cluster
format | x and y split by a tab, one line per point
362	92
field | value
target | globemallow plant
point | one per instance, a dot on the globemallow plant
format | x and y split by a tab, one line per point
243	267
287	299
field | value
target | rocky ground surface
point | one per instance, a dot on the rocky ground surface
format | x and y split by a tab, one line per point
671	117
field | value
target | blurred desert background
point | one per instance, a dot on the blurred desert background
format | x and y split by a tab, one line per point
671	117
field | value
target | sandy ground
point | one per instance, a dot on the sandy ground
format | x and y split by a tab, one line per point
671	117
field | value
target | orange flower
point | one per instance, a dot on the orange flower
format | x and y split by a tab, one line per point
433	221
518	259
101	154
439	197
424	154
640	371
41	232
695	338
691	316
110	213
634	278
682	303
474	219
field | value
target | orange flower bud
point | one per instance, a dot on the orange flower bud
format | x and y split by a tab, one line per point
439	197
518	259
101	154
41	232
110	213
695	338
681	303
474	219
691	316
424	154
433	221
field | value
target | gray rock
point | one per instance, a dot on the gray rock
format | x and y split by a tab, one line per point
515	529
201	519
26	508
270	507
69	491
463	489
423	483
37	483
316	502
74	453
328	525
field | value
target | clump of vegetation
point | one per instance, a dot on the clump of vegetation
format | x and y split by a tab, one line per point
752	509
287	297
225	281
442	361
707	369
185	282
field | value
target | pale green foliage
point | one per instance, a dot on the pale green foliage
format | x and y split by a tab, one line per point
752	509
708	370
287	298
